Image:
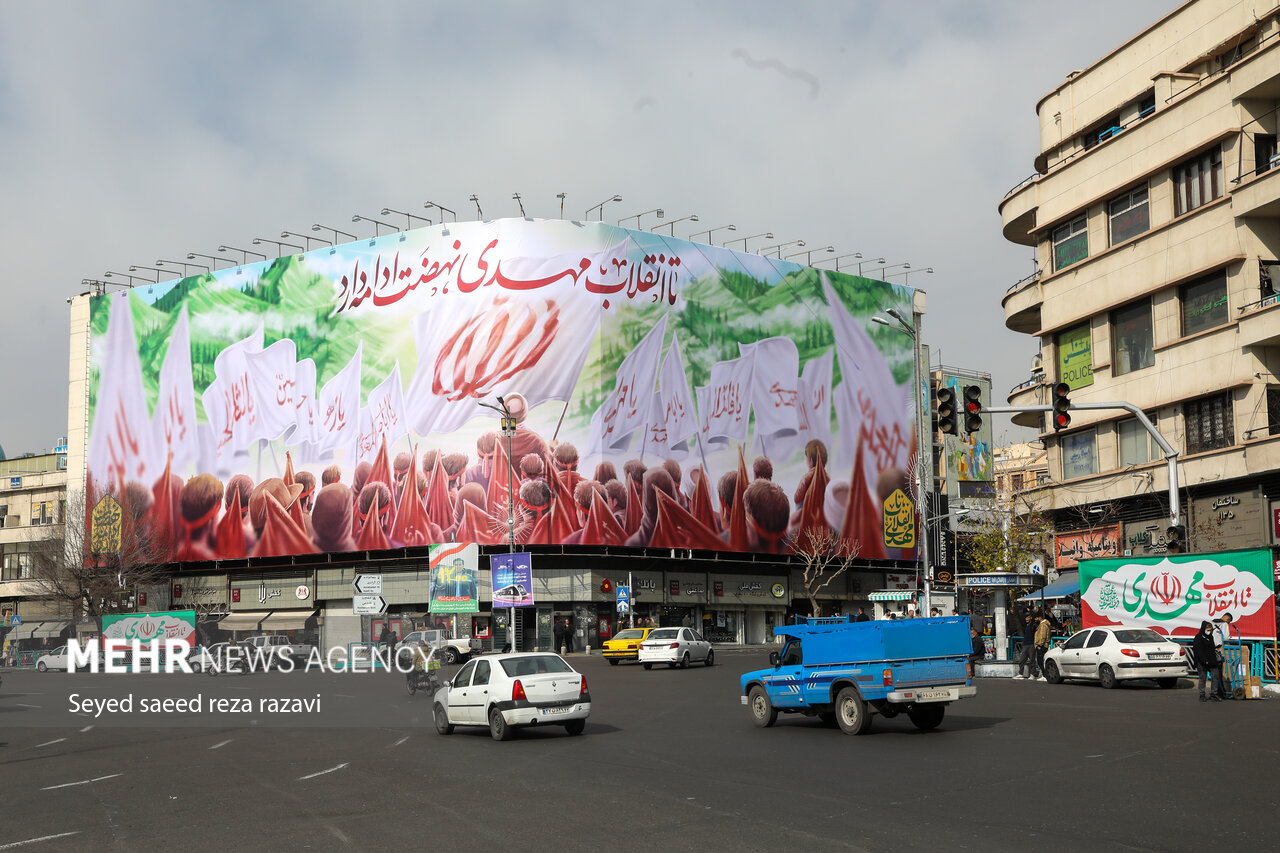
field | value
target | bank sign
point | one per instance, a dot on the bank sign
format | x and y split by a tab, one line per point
1175	593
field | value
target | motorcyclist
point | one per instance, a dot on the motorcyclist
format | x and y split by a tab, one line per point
426	665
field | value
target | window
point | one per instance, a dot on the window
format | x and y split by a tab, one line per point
1070	243
1197	181
1076	641
1204	303
1079	455
1273	411
1264	152
1015	482
1268	278
17	565
1136	444
1101	131
1134	344
1129	215
1209	423
482	673
1098	638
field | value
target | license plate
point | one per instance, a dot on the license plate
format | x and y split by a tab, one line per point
933	695
1160	655
548	712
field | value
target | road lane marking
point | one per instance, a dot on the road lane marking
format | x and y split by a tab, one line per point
220	745
25	705
83	782
14	844
322	772
49	743
85	729
402	740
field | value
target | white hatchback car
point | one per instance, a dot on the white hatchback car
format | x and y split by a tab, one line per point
1110	655
55	659
675	647
511	691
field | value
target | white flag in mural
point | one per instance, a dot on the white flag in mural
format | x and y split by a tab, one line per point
627	407
775	387
120	445
174	419
273	387
678	415
306	416
868	402
726	408
382	417
339	408
813	410
228	401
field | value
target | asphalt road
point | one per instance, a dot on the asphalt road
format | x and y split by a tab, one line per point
669	760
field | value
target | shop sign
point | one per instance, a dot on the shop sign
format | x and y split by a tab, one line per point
1145	538
686	589
194	591
270	592
1227	522
1079	545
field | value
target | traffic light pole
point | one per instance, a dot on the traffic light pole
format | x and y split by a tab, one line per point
1170	455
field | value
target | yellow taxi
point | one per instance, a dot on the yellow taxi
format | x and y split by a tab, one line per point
625	645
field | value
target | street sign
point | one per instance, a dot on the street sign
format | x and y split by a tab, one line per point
16	620
624	599
368	584
366	604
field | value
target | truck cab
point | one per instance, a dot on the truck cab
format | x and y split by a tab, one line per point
845	671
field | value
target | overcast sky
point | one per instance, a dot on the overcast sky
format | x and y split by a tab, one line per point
138	131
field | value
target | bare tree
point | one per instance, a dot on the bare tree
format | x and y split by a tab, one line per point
91	585
826	557
1005	540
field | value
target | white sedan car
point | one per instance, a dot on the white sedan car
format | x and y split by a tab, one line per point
675	646
510	691
55	659
1111	655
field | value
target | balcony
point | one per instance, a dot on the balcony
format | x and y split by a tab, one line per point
1022	305
1018	211
1260	323
1259	197
1030	393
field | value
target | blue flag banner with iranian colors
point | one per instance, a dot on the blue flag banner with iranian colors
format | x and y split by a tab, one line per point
1174	594
512	579
145	627
454	569
342	399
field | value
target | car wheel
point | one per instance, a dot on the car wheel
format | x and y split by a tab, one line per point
927	717
763	714
647	665
711	658
851	712
575	727
498	728
1167	683
1051	673
684	661
1106	676
450	656
42	666
613	661
442	721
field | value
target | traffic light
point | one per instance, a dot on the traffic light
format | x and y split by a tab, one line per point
1061	406
948	422
1176	539
972	408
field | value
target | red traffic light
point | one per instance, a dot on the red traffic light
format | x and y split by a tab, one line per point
1061	406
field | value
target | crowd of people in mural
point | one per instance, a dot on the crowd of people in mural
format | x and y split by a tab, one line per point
421	497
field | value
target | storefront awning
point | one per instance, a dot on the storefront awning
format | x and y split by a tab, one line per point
1068	583
23	631
49	629
287	620
892	595
245	621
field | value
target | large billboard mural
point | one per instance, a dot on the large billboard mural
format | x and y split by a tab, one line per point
665	394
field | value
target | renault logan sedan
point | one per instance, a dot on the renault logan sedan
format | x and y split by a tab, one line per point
675	647
505	692
1112	655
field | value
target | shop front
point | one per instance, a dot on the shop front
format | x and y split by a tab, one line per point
646	588
283	603
208	596
688	595
745	608
832	594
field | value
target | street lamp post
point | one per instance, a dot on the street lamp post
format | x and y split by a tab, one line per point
905	266
193	255
508	430
244	253
110	274
768	235
279	244
443	210
765	251
408	217
906	274
335	231
692	217
376	233
155	270
711	231
600	207
183	265
479	212
808	254
307	237
865	261
924	450
659	211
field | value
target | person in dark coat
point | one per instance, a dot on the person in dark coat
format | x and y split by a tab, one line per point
561	632
1027	655
1209	662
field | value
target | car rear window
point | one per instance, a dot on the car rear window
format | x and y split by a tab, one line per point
629	635
534	664
664	634
1139	635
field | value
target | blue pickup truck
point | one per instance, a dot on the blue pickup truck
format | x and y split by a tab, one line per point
845	671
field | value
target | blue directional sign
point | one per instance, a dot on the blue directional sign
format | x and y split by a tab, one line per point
16	620
624	599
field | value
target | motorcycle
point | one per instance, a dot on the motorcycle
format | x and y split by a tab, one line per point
421	679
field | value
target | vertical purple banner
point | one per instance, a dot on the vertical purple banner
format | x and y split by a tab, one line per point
512	579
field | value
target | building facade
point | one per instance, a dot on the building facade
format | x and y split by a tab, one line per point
1154	215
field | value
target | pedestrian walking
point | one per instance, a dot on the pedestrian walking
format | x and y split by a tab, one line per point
384	639
1209	662
561	631
1027	654
1221	638
395	641
862	615
1042	640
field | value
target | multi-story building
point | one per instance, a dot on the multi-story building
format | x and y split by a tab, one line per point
1154	214
33	501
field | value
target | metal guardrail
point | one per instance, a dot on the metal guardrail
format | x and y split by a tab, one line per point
1264	657
1023	282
